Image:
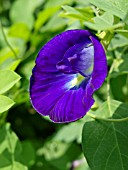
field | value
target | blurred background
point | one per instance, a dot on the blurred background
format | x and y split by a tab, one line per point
26	25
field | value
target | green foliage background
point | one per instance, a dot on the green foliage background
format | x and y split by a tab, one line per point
29	141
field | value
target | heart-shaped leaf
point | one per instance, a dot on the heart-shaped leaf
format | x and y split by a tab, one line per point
105	144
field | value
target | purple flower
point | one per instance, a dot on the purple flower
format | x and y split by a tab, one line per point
69	68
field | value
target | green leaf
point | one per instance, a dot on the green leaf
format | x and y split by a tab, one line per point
22	11
77	13
5	103
74	129
18	45
103	22
10	150
15	43
14	65
57	3
48	13
118	41
118	8
105	143
6	54
51	26
10	64
26	69
28	153
19	30
44	15
8	79
123	32
120	66
60	154
121	84
82	165
125	20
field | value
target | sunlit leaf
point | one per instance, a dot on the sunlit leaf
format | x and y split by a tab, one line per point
22	11
43	16
103	22
77	13
10	64
51	26
14	65
6	54
19	30
57	3
17	44
118	8
5	103
8	79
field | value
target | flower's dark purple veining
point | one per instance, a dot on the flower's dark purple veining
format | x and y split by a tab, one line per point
69	68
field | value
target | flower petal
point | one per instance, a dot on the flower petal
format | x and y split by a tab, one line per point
70	107
100	67
67	97
78	59
45	90
55	49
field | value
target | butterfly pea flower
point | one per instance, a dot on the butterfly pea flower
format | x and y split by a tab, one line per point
68	69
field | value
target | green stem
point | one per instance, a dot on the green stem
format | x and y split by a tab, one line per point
108	79
127	89
108	120
7	41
